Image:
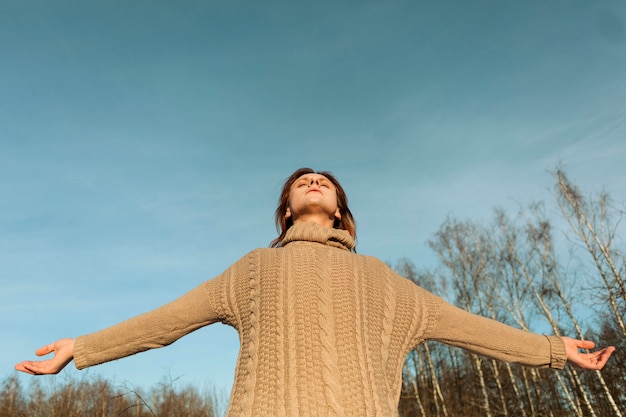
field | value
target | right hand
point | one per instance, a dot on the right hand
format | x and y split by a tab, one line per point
63	351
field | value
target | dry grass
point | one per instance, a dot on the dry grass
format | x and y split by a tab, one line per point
96	397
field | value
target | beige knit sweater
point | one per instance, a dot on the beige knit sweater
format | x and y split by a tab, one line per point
324	331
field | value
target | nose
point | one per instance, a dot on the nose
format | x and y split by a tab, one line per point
314	181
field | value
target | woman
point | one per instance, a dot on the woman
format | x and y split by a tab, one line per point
323	330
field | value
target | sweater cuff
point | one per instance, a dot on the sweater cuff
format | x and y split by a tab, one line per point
558	357
79	357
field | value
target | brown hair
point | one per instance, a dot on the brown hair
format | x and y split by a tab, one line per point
283	224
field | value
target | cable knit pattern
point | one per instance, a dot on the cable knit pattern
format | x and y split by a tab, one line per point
252	347
330	372
324	331
389	312
292	375
366	366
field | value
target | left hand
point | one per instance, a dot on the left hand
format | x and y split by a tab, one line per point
594	360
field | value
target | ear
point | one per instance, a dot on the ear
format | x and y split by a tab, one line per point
287	213
337	214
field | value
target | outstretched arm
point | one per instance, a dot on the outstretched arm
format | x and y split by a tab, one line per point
63	351
151	330
487	337
594	360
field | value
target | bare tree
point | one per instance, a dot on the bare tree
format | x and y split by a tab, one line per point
592	222
510	271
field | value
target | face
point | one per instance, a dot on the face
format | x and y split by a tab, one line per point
313	197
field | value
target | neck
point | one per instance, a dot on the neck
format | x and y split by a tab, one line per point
321	220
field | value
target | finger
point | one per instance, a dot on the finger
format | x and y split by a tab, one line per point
33	368
585	344
598	359
600	353
44	350
605	354
41	368
22	368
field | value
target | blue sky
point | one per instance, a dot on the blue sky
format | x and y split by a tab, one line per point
143	144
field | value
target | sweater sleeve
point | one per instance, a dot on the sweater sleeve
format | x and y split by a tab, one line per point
154	329
496	340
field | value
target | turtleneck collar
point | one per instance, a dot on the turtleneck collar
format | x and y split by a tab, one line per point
313	232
